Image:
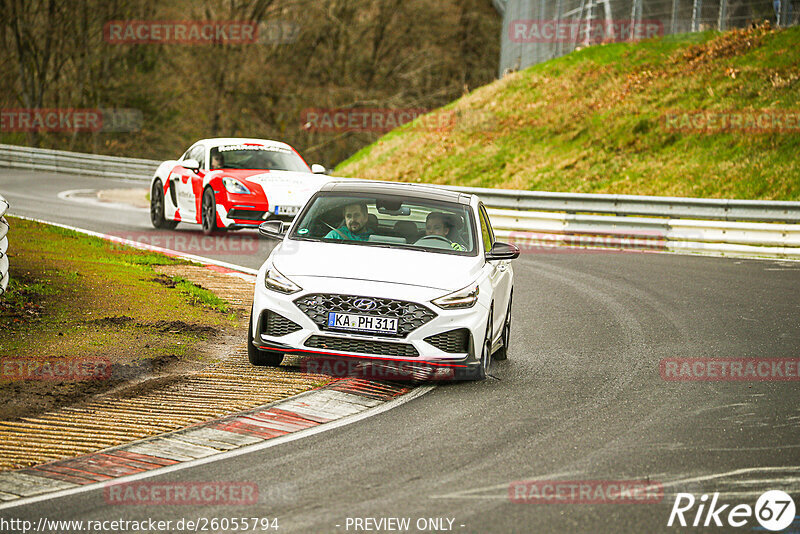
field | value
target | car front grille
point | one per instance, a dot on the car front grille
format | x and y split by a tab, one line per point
452	341
246	215
410	315
276	325
362	346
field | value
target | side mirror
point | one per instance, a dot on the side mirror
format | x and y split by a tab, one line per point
318	169
273	229
502	251
191	164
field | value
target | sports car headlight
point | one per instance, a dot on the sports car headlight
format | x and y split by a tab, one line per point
275	281
463	298
235	186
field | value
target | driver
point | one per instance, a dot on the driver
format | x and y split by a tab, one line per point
217	161
438	223
355	224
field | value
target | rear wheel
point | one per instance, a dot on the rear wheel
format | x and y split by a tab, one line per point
157	208
502	352
261	358
209	212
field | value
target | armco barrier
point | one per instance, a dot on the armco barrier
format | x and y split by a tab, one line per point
4	276
62	161
696	225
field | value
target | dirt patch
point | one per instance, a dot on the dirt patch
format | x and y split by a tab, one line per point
117	320
165	280
136	197
180	327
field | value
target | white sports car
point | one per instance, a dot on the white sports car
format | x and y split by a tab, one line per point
231	183
387	273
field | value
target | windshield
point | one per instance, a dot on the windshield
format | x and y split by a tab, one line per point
388	221
254	156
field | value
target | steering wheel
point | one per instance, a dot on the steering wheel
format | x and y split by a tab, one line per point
434	239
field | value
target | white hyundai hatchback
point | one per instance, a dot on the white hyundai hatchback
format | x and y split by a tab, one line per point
389	275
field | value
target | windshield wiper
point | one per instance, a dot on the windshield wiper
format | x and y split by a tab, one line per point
415	247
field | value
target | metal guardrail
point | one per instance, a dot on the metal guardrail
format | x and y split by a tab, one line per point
541	219
62	161
541	231
4	275
675	207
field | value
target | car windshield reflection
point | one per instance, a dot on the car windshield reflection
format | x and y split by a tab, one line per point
389	222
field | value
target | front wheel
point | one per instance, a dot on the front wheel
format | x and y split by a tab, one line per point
209	212
261	358
157	208
482	371
502	352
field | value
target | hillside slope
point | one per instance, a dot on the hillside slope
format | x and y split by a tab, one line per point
617	118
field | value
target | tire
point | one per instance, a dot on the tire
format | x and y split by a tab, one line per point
157	208
502	352
261	358
208	209
481	372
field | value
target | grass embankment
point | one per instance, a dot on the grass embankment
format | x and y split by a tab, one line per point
594	121
78	298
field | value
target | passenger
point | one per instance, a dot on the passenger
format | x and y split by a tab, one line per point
438	223
355	224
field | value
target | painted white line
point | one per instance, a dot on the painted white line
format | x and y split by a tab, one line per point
71	195
145	246
418	392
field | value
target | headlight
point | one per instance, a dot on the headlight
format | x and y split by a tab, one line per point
235	186
275	281
463	298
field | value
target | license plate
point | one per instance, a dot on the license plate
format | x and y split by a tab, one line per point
362	323
286	210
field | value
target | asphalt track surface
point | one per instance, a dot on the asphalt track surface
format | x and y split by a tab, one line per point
580	398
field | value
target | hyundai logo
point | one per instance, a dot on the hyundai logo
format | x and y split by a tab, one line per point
365	304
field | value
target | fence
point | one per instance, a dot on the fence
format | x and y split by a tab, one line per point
537	30
4	276
542	220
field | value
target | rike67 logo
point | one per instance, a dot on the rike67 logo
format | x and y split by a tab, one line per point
774	511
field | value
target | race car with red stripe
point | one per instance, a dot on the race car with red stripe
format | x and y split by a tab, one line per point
232	183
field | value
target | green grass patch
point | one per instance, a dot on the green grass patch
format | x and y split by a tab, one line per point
199	295
594	121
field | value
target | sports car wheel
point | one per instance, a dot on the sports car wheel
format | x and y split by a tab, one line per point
157	208
502	352
209	212
262	358
486	353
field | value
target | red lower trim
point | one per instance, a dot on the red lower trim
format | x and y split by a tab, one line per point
360	357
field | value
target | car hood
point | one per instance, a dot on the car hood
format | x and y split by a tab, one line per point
358	262
282	187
